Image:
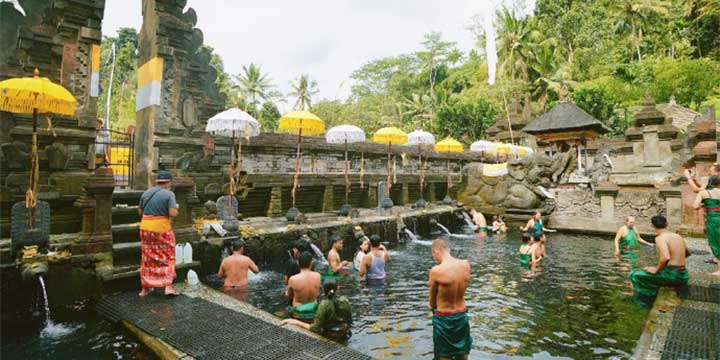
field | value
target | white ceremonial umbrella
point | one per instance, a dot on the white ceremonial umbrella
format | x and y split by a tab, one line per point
235	124
345	134
420	138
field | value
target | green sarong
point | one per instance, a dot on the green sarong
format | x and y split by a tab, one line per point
712	225
629	241
305	311
451	334
329	274
646	285
333	318
525	260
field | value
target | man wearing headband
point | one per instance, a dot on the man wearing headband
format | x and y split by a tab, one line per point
157	205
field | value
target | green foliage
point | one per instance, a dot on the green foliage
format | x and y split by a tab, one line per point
303	91
691	81
122	101
465	117
268	116
603	106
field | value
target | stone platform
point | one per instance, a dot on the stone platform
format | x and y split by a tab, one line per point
206	324
687	327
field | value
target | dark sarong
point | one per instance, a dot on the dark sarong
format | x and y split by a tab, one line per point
451	334
712	225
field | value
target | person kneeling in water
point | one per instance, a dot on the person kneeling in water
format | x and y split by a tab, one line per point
526	250
627	237
304	289
448	282
333	317
670	269
498	225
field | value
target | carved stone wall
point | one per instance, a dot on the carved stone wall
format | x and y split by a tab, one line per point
57	38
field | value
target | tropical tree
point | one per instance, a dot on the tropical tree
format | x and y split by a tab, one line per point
632	14
418	108
551	74
254	85
303	90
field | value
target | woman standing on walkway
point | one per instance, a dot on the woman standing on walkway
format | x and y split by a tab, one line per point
157	205
710	200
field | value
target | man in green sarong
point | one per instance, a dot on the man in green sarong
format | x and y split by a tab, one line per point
670	269
303	289
710	200
627	238
448	282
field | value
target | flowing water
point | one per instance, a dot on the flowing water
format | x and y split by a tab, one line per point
576	304
443	228
468	220
410	235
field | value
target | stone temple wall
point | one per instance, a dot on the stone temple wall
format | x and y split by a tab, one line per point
58	38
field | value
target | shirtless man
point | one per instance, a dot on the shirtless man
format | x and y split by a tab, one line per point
448	282
334	262
303	289
627	237
479	220
670	269
235	267
538	248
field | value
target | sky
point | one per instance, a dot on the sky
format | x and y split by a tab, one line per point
326	39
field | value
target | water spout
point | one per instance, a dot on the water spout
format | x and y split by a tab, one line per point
443	228
51	329
410	235
468	220
318	253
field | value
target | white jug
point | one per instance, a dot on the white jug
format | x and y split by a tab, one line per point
178	254
192	278
187	253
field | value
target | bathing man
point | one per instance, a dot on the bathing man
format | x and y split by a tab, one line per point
335	265
373	264
303	289
535	225
627	237
448	282
293	268
670	269
234	268
479	219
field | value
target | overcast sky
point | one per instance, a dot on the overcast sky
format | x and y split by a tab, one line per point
327	39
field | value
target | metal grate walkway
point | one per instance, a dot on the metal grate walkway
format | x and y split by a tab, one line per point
206	330
693	335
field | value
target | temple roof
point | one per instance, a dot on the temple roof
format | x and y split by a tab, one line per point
565	116
681	116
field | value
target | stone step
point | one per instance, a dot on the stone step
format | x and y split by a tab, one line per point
125	215
124	233
126	254
126	196
126	278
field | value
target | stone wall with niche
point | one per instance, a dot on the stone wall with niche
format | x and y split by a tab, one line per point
57	38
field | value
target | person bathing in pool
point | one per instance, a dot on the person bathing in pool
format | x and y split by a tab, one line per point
373	264
333	317
447	284
335	264
535	224
234	268
538	247
303	289
526	250
627	237
363	249
498	225
479	220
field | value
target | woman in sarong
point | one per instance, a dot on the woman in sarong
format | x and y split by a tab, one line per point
157	267
710	200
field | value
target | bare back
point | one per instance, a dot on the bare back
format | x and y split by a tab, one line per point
450	279
304	287
234	269
673	246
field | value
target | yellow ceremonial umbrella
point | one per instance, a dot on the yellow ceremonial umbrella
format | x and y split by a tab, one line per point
33	95
502	148
390	136
299	122
449	145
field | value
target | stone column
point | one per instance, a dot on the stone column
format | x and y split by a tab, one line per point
430	192
372	194
95	239
184	223
275	205
405	194
607	193
328	198
673	205
651	151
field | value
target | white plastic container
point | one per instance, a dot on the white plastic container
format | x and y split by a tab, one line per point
178	254
187	253
192	278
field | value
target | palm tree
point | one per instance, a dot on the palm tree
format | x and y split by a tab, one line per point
550	72
632	13
254	84
303	91
418	107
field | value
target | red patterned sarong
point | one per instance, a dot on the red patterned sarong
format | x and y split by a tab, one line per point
157	267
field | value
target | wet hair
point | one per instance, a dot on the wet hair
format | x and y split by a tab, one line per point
300	245
333	239
659	222
305	260
526	237
440	244
375	240
329	288
714	181
238	244
536	235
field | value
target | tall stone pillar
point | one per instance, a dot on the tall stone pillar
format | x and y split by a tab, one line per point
405	194
651	151
430	192
95	239
275	205
184	223
607	193
673	205
328	199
